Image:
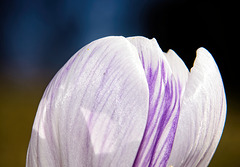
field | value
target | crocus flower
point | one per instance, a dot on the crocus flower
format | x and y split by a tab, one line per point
122	102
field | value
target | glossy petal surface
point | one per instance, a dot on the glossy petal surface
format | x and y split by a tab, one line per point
202	116
94	111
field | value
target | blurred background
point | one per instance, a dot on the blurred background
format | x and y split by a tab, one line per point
38	37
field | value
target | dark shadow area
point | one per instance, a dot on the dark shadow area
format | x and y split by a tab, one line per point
187	25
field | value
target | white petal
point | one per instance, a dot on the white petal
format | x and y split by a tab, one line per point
94	111
202	115
179	69
164	104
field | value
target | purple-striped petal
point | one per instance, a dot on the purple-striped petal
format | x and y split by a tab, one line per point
202	115
123	102
164	104
94	111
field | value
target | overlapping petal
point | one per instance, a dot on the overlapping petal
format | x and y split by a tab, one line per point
202	116
178	67
164	104
94	111
123	102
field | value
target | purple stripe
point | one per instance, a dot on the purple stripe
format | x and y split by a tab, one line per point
151	83
169	140
142	59
163	122
161	110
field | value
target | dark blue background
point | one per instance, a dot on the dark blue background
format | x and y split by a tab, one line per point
38	37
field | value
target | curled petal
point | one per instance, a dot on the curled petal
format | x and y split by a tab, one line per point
94	111
202	116
164	104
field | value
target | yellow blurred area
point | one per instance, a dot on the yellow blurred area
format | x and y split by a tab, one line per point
228	150
18	106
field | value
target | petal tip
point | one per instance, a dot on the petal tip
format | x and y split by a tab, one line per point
203	52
